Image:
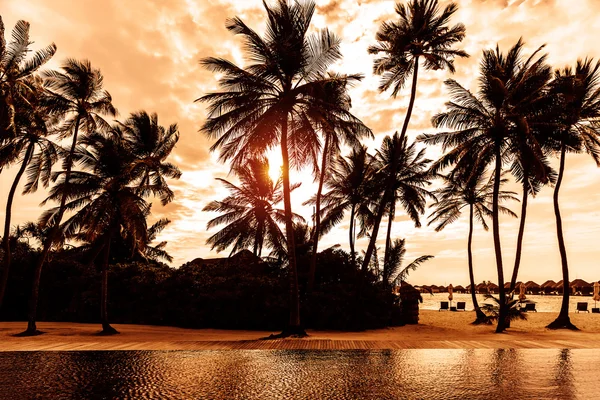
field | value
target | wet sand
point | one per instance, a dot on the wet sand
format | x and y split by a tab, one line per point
436	330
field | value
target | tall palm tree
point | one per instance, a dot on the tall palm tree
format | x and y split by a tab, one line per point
36	155
15	70
249	211
477	195
336	132
577	94
402	175
269	103
486	125
104	201
349	184
75	96
421	34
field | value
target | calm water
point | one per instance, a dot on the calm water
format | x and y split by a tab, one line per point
259	374
548	303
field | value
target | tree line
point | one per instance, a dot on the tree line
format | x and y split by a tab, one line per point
107	174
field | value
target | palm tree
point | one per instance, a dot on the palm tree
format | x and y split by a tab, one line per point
151	144
477	195
486	125
336	132
394	272
36	154
76	97
577	94
15	72
349	184
271	101
420	34
249	211
402	174
104	202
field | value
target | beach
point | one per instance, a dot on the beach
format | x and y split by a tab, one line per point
436	330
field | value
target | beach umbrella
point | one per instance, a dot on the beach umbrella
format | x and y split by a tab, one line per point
522	292
450	289
596	293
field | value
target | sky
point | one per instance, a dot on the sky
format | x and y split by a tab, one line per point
149	52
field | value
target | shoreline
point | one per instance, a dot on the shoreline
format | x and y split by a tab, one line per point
436	330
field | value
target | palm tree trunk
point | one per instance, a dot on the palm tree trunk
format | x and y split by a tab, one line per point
563	320
106	328
7	218
294	327
411	103
497	246
480	316
37	272
413	95
388	237
513	280
373	240
313	258
351	234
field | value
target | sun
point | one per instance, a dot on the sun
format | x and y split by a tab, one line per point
275	163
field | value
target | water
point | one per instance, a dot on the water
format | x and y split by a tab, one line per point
548	303
280	374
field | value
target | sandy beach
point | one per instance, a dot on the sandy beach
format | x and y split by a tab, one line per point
437	330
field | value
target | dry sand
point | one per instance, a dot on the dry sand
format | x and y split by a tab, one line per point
436	330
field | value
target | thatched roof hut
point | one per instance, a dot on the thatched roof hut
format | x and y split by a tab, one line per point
459	289
533	287
581	286
492	288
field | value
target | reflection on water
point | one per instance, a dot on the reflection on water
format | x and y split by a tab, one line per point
279	374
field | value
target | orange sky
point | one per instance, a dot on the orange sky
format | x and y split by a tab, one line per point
148	51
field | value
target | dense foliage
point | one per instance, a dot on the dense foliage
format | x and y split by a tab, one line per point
230	294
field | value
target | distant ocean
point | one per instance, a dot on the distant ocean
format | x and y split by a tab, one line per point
548	303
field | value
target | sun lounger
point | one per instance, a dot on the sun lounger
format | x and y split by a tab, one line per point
460	306
443	306
582	307
529	307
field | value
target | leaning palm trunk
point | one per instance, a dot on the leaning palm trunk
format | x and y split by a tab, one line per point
480	316
413	95
497	246
54	231
388	240
313	257
371	246
563	320
7	219
106	328
513	280
294	327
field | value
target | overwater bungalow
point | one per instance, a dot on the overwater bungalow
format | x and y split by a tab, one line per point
548	287
460	289
581	287
468	289
492	288
532	287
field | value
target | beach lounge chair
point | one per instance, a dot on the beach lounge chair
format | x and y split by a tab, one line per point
529	307
460	306
582	307
443	306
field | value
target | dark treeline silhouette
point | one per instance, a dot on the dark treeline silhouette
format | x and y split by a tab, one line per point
517	123
241	292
